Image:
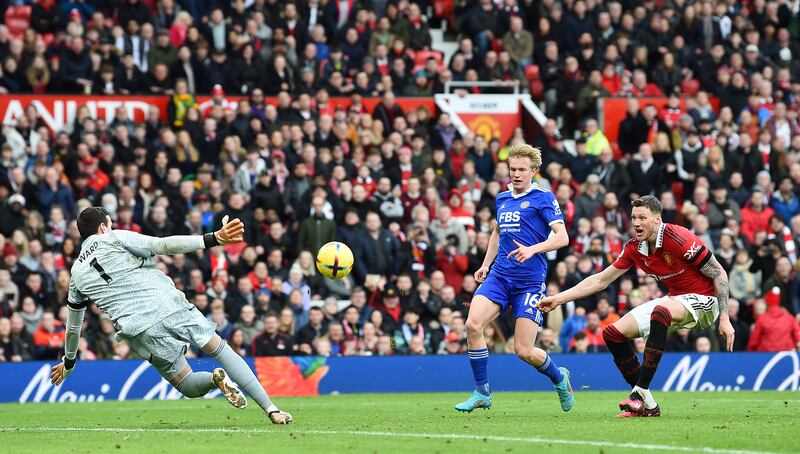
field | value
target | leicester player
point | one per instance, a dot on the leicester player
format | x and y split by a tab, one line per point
698	295
116	271
526	214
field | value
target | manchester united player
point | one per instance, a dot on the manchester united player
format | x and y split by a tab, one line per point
698	294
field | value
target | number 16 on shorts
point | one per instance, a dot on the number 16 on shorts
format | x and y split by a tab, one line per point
531	299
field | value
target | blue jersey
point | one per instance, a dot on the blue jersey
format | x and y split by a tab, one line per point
527	218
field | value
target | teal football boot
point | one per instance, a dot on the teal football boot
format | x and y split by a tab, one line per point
564	390
476	400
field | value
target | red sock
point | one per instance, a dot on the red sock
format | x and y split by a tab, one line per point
660	321
624	355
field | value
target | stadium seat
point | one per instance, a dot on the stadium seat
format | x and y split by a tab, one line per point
677	190
690	87
534	82
421	57
443	9
18	19
497	44
532	72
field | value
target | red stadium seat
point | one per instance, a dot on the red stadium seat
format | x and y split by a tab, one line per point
532	72
534	82
443	9
18	19
677	190
690	87
422	56
497	45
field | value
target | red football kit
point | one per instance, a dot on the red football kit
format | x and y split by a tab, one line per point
679	254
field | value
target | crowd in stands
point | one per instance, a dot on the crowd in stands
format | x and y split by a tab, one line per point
411	196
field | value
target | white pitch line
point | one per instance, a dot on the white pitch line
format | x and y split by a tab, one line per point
534	440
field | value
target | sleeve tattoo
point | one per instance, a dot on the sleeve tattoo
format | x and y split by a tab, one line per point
714	270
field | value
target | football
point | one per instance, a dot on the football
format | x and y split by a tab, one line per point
335	260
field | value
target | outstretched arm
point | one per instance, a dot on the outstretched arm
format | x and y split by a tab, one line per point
76	304
586	287
716	273
147	246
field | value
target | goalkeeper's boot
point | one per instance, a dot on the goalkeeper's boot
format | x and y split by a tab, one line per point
646	413
229	389
279	417
476	400
633	404
564	390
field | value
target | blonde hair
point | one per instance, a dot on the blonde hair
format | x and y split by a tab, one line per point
523	150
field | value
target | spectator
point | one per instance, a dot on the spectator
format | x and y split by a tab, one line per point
546	341
721	208
573	325
316	230
784	201
236	342
742	328
249	325
776	329
755	215
272	342
49	337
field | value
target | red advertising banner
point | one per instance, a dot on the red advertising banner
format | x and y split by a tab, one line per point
490	116
57	111
615	111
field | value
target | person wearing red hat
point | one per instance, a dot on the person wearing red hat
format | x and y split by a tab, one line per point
217	99
776	329
97	179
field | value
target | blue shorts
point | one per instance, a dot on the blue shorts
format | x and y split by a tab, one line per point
522	296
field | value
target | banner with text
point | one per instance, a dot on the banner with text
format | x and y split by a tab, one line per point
310	376
59	111
490	116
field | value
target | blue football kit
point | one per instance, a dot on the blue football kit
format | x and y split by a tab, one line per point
527	218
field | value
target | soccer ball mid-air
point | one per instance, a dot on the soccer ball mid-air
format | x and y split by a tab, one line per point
335	260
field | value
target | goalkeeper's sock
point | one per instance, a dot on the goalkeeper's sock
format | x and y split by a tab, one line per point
660	320
550	369
479	361
624	356
241	373
196	384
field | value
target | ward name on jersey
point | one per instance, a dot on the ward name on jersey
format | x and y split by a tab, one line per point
676	261
115	271
517	220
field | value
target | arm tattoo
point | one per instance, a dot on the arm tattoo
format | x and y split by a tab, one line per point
714	270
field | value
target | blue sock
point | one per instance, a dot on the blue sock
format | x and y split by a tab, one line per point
479	361
550	369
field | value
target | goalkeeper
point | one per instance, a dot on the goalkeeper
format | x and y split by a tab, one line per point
116	271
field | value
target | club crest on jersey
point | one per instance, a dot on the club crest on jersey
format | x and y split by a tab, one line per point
525	204
693	249
668	259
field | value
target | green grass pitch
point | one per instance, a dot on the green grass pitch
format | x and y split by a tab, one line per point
410	423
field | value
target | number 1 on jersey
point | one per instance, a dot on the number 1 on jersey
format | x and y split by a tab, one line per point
100	270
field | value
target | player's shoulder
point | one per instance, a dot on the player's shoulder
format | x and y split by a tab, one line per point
678	235
631	246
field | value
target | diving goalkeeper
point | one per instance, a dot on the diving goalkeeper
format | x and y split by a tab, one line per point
116	271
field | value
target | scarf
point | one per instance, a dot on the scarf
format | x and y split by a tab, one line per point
408	334
788	244
182	104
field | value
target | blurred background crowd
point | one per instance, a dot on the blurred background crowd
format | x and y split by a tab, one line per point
411	196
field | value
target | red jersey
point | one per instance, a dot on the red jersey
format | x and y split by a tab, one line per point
679	254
